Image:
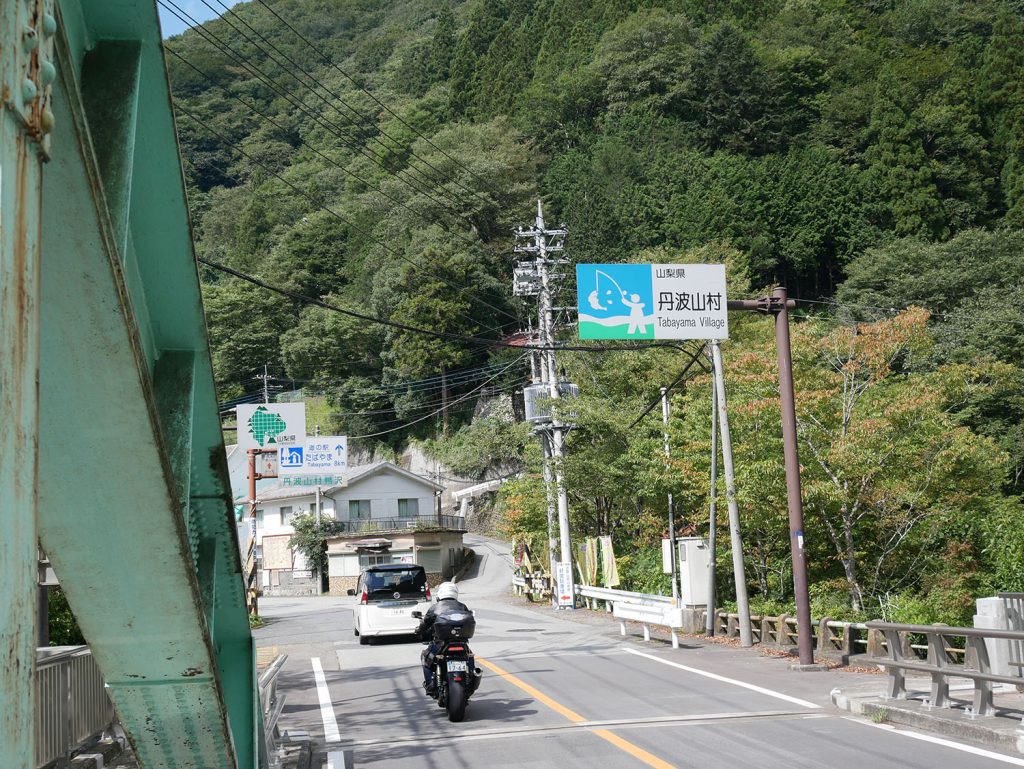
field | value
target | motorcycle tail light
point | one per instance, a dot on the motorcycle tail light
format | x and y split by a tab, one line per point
456	648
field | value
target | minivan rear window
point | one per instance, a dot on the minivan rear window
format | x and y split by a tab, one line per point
411	582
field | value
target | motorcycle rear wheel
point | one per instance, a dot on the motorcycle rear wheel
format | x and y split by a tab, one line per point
457	698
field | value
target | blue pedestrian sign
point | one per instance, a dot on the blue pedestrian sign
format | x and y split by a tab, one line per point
651	301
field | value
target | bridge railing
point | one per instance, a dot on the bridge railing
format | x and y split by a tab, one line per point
72	705
976	666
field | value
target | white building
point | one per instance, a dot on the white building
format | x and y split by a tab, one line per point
375	498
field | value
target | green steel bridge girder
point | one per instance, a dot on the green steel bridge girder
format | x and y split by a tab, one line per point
134	503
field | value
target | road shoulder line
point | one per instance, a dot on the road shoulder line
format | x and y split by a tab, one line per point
331	731
724	679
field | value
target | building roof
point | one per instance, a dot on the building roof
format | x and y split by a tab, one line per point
354	476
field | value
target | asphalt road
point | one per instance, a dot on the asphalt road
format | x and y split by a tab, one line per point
567	694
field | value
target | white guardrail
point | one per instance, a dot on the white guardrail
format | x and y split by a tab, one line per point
644	608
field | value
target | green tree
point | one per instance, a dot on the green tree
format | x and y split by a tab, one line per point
899	166
442	45
310	539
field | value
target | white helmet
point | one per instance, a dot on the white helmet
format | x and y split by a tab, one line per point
447	590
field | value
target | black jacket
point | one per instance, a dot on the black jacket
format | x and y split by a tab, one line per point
441	608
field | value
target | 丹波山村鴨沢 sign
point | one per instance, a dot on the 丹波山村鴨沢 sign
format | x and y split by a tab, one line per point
651	301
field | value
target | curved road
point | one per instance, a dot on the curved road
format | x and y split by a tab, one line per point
569	694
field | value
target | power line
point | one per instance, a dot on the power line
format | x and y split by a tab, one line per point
367	134
435	413
330	62
345	170
350	223
333	129
427	332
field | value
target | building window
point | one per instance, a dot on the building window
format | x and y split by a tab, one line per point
408	508
286	516
358	509
259	519
373	560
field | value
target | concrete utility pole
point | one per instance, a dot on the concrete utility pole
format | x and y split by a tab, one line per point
671	510
712	523
743	606
542	243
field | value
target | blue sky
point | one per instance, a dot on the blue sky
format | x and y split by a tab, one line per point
169	23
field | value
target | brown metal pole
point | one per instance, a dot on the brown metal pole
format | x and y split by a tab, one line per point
253	607
795	503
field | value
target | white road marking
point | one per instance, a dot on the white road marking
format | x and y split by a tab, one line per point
733	681
944	742
331	731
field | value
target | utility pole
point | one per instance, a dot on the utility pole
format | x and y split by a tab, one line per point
671	511
779	304
746	638
265	376
537	277
712	523
793	496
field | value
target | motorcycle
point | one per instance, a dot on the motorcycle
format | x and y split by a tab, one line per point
456	675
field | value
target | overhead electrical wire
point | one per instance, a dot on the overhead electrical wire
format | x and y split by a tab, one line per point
370	118
364	131
330	62
349	222
345	170
441	410
482	341
218	44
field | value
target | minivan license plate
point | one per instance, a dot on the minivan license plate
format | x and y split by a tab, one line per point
455	666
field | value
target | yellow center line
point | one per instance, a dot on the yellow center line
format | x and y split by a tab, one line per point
625	745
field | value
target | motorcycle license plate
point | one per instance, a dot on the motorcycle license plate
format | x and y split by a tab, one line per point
455	666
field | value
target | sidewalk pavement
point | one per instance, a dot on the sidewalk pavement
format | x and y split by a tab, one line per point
859	688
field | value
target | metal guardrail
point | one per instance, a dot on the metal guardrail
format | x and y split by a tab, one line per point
271	706
938	666
72	705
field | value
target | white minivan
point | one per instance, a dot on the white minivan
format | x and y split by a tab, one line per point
387	595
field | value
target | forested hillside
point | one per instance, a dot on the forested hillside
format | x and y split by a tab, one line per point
868	155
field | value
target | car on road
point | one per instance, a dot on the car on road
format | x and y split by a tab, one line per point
387	596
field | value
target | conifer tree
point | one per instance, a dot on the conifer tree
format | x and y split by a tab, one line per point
899	166
442	45
1002	95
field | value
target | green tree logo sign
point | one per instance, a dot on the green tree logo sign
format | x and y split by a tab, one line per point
265	426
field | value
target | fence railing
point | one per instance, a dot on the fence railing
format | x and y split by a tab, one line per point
271	706
72	705
370	525
937	664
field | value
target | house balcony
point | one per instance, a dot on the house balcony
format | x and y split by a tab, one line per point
416	523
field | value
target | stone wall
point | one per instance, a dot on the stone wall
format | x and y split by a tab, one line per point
341	585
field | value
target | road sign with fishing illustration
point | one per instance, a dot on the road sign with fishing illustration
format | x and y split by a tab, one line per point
651	301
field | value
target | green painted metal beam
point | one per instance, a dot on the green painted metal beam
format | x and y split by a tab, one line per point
23	95
133	494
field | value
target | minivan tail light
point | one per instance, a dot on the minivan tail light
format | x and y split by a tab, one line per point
428	592
364	598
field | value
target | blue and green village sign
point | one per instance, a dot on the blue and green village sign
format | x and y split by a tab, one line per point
651	301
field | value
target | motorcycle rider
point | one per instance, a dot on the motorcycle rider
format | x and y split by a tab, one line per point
447	602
